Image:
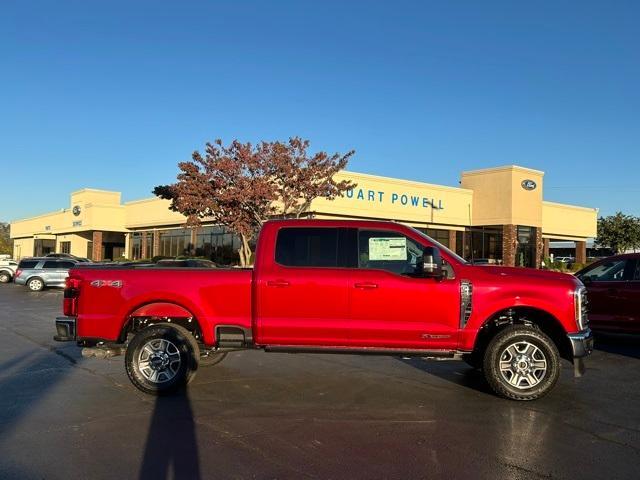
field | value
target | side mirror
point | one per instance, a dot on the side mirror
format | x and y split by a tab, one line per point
432	263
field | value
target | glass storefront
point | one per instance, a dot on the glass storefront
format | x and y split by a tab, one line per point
218	245
526	250
43	247
135	244
174	243
212	242
480	244
440	236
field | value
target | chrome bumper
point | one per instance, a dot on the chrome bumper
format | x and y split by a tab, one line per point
581	343
65	329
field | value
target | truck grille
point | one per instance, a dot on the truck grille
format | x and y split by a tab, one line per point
466	297
584	305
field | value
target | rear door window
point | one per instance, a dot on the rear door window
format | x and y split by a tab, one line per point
24	264
66	265
50	265
307	247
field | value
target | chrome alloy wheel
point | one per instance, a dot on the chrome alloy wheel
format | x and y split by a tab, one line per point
159	360
523	365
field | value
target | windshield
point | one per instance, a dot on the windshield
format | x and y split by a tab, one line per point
441	247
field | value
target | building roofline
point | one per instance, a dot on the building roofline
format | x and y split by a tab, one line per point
96	190
502	168
566	205
403	181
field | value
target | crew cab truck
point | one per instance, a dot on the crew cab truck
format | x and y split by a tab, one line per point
329	286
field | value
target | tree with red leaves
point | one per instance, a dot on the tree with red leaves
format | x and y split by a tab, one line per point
240	186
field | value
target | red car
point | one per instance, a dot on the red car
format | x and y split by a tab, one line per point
614	293
333	287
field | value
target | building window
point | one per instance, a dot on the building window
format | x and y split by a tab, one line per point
90	250
136	246
149	242
217	244
175	243
525	252
43	247
65	247
480	244
440	236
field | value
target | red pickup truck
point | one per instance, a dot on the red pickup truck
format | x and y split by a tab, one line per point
333	287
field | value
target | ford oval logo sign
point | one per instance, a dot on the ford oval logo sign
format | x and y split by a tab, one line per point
529	184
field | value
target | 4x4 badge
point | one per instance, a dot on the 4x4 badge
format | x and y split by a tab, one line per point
106	283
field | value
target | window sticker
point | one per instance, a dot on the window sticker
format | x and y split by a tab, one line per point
394	248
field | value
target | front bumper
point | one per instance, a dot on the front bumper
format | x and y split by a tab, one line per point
581	343
65	329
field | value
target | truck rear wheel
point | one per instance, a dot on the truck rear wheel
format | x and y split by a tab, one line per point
162	359
5	277
521	363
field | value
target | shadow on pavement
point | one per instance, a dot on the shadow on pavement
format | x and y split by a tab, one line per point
627	345
455	372
171	441
38	373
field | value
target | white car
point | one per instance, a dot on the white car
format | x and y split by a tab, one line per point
7	270
565	259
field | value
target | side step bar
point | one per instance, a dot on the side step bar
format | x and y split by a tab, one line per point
435	354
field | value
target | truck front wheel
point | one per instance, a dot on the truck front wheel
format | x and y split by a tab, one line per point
521	363
162	359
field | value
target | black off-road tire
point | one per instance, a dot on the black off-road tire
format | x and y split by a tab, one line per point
34	286
5	277
520	336
180	344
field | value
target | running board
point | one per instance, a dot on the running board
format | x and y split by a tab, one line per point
399	352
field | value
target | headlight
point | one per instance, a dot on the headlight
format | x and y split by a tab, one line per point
580	302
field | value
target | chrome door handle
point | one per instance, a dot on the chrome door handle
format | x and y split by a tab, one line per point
366	285
277	283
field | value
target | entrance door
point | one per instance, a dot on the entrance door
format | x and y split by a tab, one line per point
392	304
302	297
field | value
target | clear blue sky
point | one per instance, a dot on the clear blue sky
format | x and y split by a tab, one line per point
113	94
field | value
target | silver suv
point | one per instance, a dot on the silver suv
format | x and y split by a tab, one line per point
37	273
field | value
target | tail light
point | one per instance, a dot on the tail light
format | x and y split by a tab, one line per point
71	294
18	273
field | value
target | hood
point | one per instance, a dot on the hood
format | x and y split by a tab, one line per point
527	273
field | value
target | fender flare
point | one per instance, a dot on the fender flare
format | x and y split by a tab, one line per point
161	309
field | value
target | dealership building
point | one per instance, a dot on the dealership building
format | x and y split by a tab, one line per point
496	215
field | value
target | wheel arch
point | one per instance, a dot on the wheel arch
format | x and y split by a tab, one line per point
524	315
154	313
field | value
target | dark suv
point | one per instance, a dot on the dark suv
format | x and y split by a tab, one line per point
613	286
38	273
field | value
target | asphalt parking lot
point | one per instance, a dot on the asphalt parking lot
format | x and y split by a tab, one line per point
267	415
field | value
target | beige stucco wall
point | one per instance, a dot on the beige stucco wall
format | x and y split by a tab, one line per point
78	243
403	200
151	212
568	222
500	199
23	247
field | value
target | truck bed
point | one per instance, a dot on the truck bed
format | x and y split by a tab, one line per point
111	294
